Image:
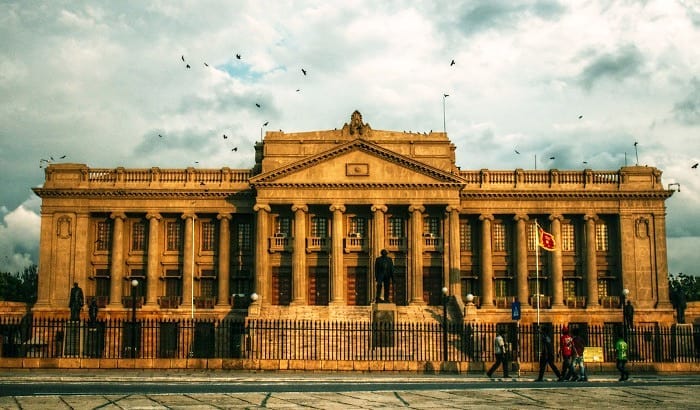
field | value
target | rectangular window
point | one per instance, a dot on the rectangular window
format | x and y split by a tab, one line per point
568	243
207	288
240	282
173	235
357	227
208	236
244	239
138	236
499	237
103	236
501	287
601	236
569	288
603	288
532	237
431	226
319	227
533	286
283	226
396	227
465	235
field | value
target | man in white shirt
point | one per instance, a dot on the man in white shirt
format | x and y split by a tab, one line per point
500	350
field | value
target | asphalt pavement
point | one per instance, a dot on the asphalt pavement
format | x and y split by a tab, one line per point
219	389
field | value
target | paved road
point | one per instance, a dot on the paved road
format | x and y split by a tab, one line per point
243	390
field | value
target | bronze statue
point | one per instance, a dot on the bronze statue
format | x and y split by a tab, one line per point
383	274
76	302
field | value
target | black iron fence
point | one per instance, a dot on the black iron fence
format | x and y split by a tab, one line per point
324	340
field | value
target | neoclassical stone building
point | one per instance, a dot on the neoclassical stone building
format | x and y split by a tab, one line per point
301	229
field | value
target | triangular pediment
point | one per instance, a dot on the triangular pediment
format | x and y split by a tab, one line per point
361	163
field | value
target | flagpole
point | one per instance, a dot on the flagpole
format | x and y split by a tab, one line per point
537	270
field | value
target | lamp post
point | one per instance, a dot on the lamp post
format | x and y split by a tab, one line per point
254	297
445	298
625	292
134	285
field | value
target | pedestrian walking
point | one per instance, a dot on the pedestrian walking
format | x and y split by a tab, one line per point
546	355
500	349
621	349
566	344
578	362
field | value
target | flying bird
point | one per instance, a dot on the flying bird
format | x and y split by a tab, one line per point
303	71
62	157
183	58
580	116
452	63
298	89
188	66
160	136
585	162
551	157
445	95
695	166
266	122
225	137
635	143
238	56
516	151
206	65
257	105
234	149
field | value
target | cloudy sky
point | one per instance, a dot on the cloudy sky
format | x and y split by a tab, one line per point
99	81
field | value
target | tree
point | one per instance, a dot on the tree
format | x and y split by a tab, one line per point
20	287
689	285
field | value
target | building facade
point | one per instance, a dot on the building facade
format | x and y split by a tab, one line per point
296	235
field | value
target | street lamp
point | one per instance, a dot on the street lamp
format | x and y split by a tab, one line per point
134	285
625	292
254	297
470	298
445	298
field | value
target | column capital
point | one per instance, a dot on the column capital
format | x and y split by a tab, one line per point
484	217
414	208
187	215
588	217
521	217
300	207
337	207
118	215
556	217
154	215
223	215
452	208
262	207
380	208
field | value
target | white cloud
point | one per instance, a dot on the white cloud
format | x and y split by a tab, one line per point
19	233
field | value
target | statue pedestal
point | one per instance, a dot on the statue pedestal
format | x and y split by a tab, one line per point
383	318
71	341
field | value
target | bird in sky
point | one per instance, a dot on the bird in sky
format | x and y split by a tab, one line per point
234	149
445	95
585	162
188	66
452	63
695	165
160	136
205	64
225	137
183	58
303	71
580	116
516	151
257	105
62	156
298	89
635	143
551	158
238	56
265	124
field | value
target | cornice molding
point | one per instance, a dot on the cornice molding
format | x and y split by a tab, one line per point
660	195
127	193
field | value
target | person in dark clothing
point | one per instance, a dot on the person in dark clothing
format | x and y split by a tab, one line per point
628	315
76	302
501	351
92	310
383	274
546	355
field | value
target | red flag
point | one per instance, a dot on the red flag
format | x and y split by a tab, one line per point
546	240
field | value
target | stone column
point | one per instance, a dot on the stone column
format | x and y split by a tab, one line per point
299	256
591	264
153	260
224	274
188	261
117	265
661	260
337	279
454	261
486	262
416	252
522	270
378	233
46	272
262	271
557	270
